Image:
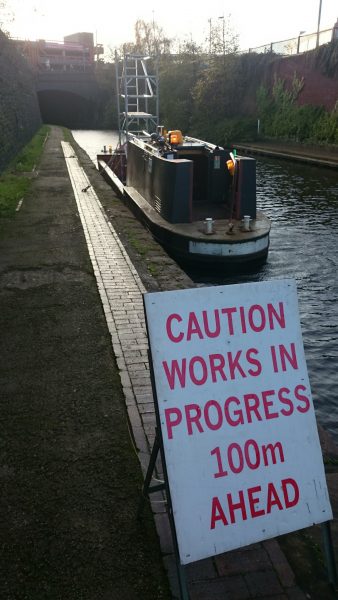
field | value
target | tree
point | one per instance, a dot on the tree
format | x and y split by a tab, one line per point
178	76
150	38
188	47
6	15
222	38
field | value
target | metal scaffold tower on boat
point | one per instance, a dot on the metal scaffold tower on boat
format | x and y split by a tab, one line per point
137	95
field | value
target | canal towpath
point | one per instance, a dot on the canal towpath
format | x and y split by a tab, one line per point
311	154
73	267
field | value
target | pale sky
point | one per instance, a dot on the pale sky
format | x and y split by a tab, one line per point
256	22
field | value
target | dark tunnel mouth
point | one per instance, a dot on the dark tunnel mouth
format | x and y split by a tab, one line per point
65	108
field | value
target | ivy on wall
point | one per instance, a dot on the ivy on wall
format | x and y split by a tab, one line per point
223	98
281	117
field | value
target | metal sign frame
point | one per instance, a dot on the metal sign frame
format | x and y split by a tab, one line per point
148	488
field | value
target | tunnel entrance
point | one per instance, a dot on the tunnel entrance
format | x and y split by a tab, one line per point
67	109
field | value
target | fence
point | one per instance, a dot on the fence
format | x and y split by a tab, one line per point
302	43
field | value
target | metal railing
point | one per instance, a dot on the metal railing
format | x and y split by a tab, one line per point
297	45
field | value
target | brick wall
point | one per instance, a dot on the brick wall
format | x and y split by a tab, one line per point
19	108
318	90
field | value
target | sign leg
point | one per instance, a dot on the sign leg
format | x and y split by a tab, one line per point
147	488
329	553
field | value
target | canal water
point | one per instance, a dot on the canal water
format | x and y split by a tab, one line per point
302	203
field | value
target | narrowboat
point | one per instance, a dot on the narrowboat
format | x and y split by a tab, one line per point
197	199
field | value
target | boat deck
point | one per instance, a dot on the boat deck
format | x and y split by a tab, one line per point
195	230
201	211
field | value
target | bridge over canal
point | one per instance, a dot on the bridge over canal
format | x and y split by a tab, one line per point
69	98
65	75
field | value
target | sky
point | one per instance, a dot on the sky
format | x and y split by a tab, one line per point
256	22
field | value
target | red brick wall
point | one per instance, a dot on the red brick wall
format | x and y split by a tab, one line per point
318	89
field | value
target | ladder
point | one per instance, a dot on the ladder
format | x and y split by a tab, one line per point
137	96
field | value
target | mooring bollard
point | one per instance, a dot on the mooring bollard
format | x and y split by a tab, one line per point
209	225
246	222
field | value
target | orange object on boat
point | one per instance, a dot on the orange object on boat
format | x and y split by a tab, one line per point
231	167
175	137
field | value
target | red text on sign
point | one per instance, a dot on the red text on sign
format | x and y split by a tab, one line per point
224	321
254	502
234	411
251	455
215	367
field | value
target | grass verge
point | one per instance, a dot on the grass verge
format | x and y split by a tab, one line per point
16	180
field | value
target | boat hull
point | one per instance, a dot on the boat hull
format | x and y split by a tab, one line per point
191	204
188	243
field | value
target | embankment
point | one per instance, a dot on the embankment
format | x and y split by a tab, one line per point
19	107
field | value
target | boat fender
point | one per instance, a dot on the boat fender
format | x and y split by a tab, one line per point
231	167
